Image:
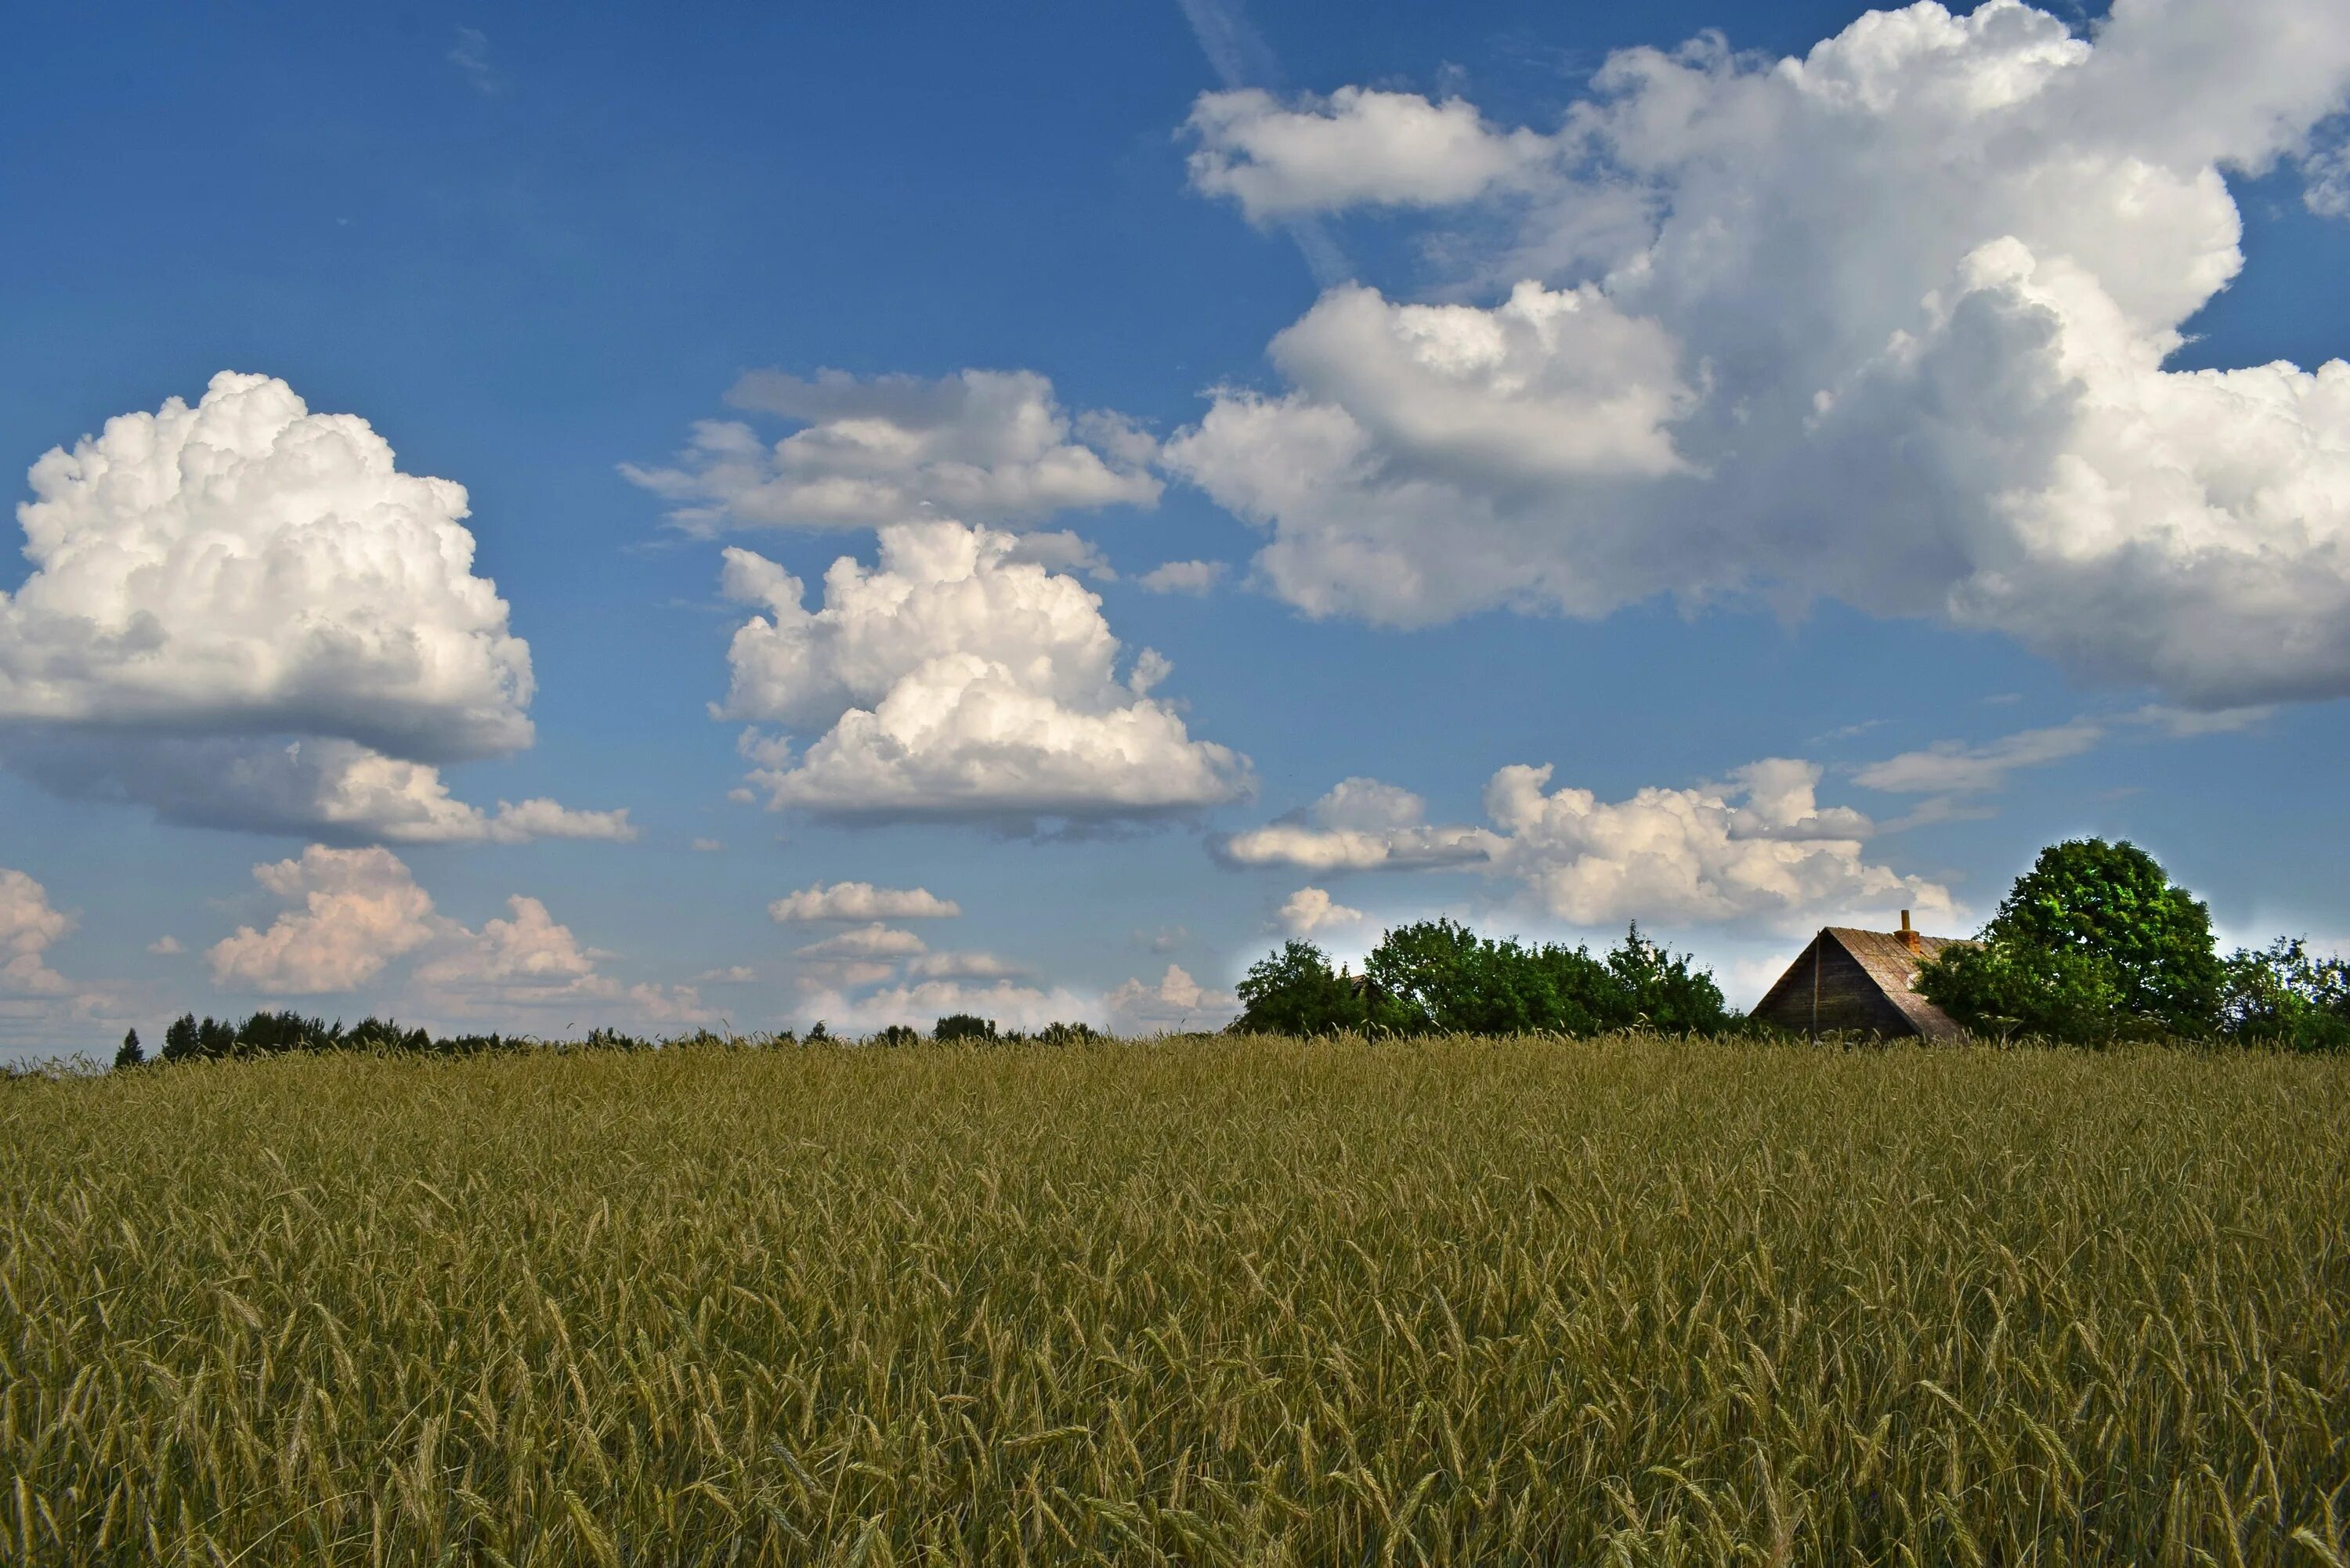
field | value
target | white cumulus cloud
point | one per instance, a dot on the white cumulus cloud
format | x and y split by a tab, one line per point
861	902
1361	825
989	445
29	926
1311	910
1183	577
1888	323
1757	850
42	1011
244	615
1172	1001
1280	157
922	1003
356	910
951	679
531	967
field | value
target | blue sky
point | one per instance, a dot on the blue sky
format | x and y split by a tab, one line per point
1854	451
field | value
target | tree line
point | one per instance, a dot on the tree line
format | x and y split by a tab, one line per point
1439	976
2094	944
282	1033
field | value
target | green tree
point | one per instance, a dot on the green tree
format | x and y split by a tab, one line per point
1440	976
181	1042
130	1055
2282	995
2093	942
271	1034
1294	991
1663	991
963	1026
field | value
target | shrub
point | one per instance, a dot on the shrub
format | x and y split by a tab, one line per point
2280	995
1295	992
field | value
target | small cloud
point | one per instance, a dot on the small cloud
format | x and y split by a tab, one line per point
472	56
1166	938
165	946
1310	909
2185	724
736	974
1183	577
846	901
874	941
708	846
963	966
1175	1002
1064	551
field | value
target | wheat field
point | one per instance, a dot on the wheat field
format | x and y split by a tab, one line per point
1629	1299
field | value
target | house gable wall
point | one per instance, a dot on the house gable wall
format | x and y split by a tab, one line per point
1850	1000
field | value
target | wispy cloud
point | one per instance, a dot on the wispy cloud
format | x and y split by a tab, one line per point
470	55
1954	776
1240	58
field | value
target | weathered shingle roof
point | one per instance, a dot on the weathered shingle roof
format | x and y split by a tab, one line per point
1894	968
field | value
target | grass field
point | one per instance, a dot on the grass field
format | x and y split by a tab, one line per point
1628	1300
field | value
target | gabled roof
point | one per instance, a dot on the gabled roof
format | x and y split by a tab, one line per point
1889	963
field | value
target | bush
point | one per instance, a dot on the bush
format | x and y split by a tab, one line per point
963	1026
2280	995
1295	992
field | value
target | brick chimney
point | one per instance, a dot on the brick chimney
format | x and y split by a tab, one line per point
1911	938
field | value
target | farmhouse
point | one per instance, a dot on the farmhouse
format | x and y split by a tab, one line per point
1859	982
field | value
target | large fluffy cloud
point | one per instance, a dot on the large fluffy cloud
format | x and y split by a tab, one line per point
952	679
1756	851
355	912
990	445
244	614
1888	322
